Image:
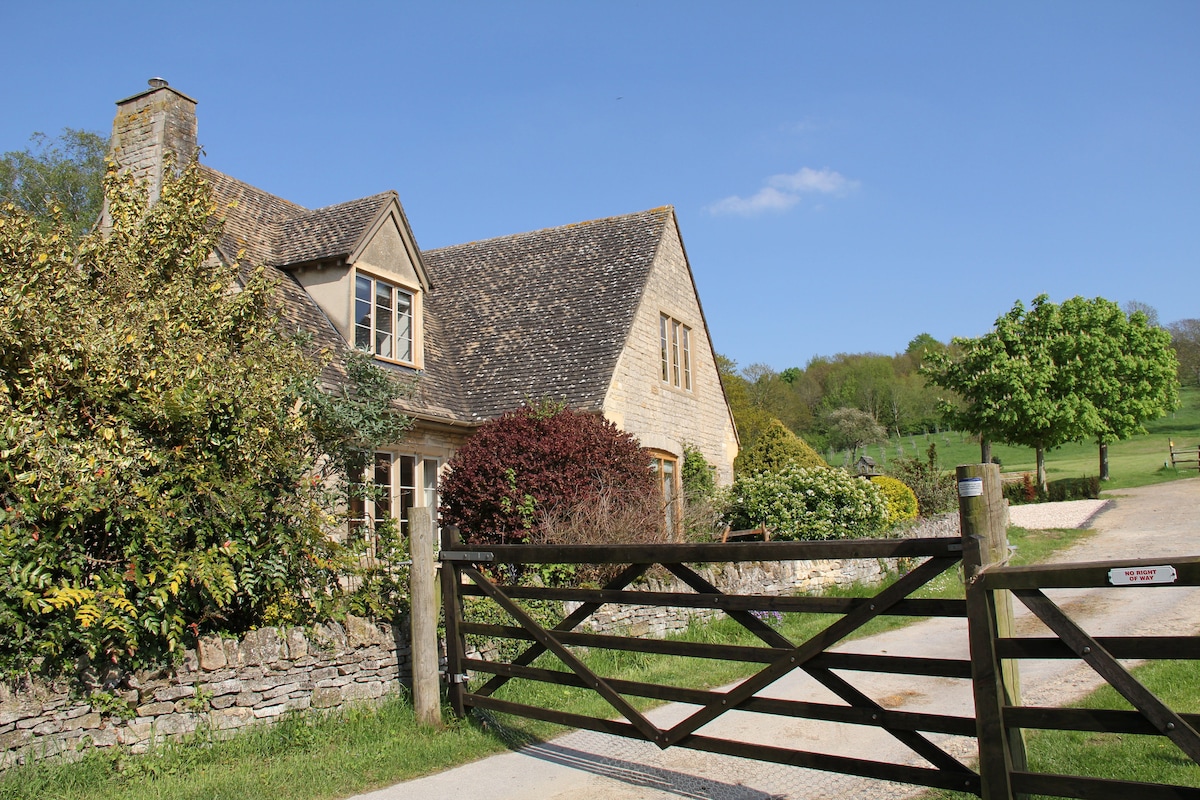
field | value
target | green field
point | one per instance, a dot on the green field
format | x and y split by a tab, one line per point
1134	462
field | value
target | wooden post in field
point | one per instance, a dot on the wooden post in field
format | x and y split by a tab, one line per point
423	598
983	517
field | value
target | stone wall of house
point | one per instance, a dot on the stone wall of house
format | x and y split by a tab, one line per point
662	416
224	684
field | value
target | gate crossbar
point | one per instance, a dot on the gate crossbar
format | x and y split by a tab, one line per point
781	655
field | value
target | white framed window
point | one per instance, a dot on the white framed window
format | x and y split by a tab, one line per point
383	319
675	343
398	483
371	497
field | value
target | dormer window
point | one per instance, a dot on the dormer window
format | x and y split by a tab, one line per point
383	319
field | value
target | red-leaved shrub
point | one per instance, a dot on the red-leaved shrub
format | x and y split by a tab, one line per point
534	462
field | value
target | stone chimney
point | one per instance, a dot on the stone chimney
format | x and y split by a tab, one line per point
148	127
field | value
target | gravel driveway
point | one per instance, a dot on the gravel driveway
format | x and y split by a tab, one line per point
1146	522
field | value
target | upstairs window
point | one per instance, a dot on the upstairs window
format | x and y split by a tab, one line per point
383	319
676	345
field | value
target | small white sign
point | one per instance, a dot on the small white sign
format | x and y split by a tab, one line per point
1138	576
970	487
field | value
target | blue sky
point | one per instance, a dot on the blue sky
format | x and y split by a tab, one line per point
846	175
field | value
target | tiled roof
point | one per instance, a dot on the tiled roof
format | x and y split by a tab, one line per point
543	314
255	223
327	233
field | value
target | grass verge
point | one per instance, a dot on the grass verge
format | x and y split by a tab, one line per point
1152	759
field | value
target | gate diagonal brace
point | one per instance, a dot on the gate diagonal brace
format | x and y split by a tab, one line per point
589	678
576	618
912	739
797	656
1160	716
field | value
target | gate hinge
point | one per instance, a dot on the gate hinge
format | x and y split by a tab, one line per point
457	677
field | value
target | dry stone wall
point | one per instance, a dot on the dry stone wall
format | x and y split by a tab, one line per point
223	684
226	684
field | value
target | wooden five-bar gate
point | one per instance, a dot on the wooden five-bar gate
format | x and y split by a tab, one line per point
999	771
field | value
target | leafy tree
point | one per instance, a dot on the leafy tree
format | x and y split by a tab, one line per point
535	461
1185	338
1010	386
1119	370
60	178
851	428
776	449
1058	374
159	462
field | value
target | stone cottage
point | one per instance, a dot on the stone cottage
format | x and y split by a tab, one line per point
603	314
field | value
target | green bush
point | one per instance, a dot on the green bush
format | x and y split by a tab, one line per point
776	449
799	503
1086	488
936	490
901	502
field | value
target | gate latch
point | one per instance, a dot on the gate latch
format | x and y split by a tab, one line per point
457	677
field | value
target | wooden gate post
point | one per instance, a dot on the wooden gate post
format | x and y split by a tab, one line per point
452	607
427	703
983	518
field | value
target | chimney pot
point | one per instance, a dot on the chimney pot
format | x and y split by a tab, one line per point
157	83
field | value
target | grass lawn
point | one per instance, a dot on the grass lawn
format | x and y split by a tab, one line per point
1135	462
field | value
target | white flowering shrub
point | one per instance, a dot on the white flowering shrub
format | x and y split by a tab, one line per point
799	503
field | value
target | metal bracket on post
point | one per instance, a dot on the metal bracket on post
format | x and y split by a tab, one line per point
457	678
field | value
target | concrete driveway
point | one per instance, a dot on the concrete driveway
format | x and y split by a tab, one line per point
1138	523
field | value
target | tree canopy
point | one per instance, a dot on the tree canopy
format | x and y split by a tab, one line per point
57	178
1056	374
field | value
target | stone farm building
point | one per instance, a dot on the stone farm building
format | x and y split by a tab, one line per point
603	314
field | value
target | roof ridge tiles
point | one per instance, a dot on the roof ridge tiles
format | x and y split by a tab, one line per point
650	212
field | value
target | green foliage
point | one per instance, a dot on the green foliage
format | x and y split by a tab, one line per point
699	480
57	180
851	428
160	452
108	704
776	449
1057	374
935	488
799	503
901	501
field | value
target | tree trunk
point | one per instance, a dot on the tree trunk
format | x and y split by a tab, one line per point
1041	470
1103	461
985	451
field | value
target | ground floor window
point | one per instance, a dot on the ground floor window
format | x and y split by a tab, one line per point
392	484
666	468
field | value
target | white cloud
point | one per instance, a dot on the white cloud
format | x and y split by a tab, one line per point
784	191
824	181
